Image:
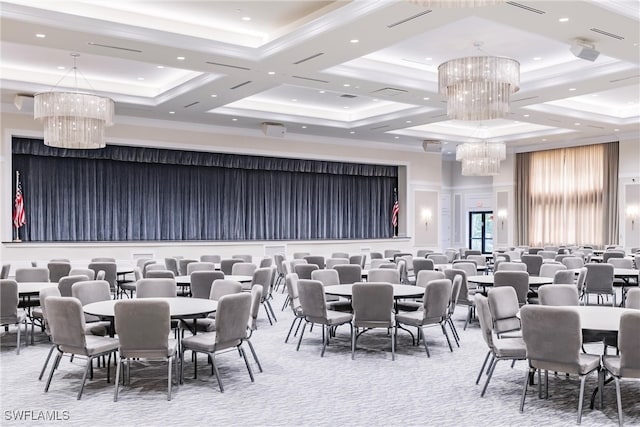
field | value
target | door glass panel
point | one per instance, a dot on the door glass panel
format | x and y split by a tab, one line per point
476	226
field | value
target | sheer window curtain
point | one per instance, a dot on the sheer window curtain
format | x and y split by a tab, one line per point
568	196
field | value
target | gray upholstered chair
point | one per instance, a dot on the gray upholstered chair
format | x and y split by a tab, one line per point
232	317
156	288
423	277
633	299
243	257
58	270
43	295
183	263
553	338
143	328
315	259
375	255
607	255
422	253
265	262
300	255
172	265
144	263
4	273
465	296
9	312
420	264
83	272
65	284
372	308
89	291
211	258
160	274
103	259
599	281
360	260
627	365
438	258
548	269
349	273
243	268
572	262
200	266
581	280
452	255
518	280
218	289
504	307
67	326
564	277
264	278
291	282
343	255
332	262
201	282
470	268
387	275
278	262
511	266
547	254
314	308
437	295
621	262
256	298
558	295
153	267
456	284
480	260
304	270
389	253
129	286
32	274
110	271
499	349
380	262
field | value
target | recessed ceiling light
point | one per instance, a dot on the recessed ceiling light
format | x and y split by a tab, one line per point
213	95
294	100
354	41
563	19
525	115
346	85
428	58
577	123
375	100
537	58
321	91
172	112
160	66
571	89
345	107
544	139
616	130
60	67
246	18
41	36
352	132
271	73
449	152
594	95
140	78
180	58
426	98
304	127
408	121
234	120
396	137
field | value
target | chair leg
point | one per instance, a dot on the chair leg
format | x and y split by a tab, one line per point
46	362
246	362
424	340
18	338
255	356
491	369
325	339
117	381
304	325
618	400
483	365
291	328
286	303
524	389
87	368
582	380
181	366
217	373
454	332
468	319
444	331
393	344
353	343
266	310
273	313
53	368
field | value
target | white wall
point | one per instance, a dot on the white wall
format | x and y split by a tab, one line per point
629	191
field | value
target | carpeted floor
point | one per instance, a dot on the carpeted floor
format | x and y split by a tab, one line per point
300	388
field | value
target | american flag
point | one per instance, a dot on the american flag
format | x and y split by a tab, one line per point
395	209
19	217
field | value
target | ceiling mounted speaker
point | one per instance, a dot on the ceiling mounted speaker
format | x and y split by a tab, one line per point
274	130
584	50
432	146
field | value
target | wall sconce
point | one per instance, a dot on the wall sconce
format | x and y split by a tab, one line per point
426	217
633	214
502	215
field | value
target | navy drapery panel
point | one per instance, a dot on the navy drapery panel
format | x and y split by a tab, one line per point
130	193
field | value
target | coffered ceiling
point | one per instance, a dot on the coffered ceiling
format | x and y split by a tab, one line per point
360	70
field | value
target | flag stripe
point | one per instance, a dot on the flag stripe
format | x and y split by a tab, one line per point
19	216
395	210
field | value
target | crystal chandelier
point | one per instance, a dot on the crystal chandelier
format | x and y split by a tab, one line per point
481	158
456	3
73	119
478	87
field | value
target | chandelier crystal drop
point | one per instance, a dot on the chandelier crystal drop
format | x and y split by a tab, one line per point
456	3
478	87
481	158
73	120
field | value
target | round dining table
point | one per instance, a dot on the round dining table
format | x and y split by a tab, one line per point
186	280
28	289
399	291
487	280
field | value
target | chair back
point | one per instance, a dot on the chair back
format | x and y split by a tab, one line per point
8	301
484	316
633	298
183	265
629	344
243	257
372	305
386	275
564	277
389	253
581	280
548	254
315	259
451	255
58	270
438	258
518	280
83	272
607	255
143	327
160	274
549	269
222	287
172	265
425	276
156	266
300	255
211	258
437	294
468	267
343	255
65	284
256	298
375	255
572	262
156	288
144	265
379	262
110	272
480	260
232	318
32	274
4	273
327	277
291	282
266	262
264	277
200	266
504	307
561	256
304	270
66	323
201	282
349	273
552	336
332	262
422	253
43	295
533	263
242	268
456	284
621	262
312	300
558	295
89	291
103	259
360	260
511	266
420	264
599	277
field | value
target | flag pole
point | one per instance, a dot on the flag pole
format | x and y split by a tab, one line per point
17	235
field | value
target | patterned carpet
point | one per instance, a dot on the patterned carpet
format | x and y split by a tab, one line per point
300	388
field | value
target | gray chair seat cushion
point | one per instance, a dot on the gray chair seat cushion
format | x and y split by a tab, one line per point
204	342
612	364
409	305
97	328
37	313
510	347
587	363
128	286
206	325
95	345
508	324
344	306
415	318
337	318
172	346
